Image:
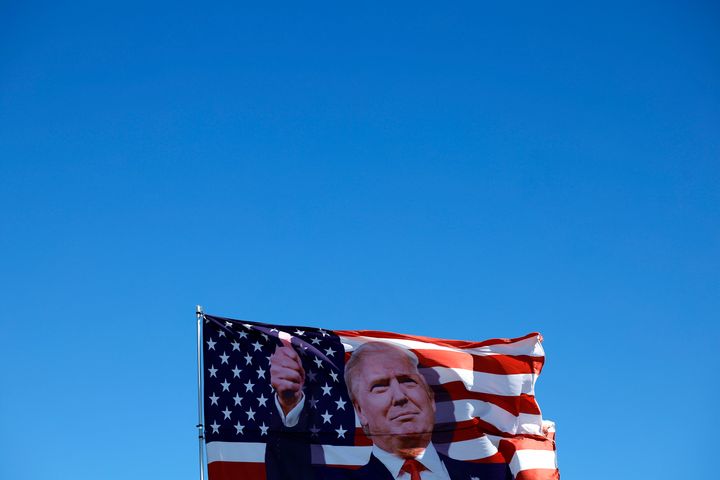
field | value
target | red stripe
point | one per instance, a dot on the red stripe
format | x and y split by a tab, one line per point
235	470
538	474
508	446
497	458
469	429
485	427
437	341
516	405
529	444
457	431
497	364
362	440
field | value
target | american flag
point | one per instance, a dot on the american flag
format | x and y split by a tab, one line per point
484	394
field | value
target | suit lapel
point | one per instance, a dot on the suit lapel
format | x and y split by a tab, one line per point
374	470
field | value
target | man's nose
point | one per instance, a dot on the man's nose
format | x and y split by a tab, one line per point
398	393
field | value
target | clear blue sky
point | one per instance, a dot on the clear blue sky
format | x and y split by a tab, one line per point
466	171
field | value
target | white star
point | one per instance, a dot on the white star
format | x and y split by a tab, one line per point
265	337
249	386
242	334
314	430
263	429
334	376
248	359
224	358
221	333
226	386
340	404
299	332
262	400
312	376
214	399
329	352
341	432
324	333
326	417
313	402
228	324
257	346
318	362
315	341
215	427
239	428
238	399
260	372
227	413
274	330
236	345
236	371
212	371
251	414
211	344
247	325
326	389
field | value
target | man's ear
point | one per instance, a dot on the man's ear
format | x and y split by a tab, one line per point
361	416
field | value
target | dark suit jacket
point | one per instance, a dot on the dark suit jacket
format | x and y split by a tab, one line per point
375	470
287	457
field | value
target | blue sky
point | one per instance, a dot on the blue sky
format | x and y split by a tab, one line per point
466	171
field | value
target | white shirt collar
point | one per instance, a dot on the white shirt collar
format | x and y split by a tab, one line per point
429	458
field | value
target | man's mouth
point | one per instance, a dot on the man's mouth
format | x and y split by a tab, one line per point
404	417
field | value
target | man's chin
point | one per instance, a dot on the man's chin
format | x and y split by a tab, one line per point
411	428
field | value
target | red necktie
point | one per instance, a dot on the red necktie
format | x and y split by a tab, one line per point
413	467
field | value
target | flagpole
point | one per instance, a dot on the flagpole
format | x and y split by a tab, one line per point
199	314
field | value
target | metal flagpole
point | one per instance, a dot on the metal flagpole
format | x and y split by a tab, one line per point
201	428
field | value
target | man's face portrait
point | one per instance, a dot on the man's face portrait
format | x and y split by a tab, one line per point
393	400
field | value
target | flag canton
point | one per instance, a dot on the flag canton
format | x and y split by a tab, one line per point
239	399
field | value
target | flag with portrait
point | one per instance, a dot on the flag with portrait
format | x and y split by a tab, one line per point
277	403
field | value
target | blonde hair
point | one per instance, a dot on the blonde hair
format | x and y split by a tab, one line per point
368	349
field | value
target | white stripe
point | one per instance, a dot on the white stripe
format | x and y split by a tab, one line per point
340	455
494	439
529	346
235	452
530	459
463	410
508	385
352	343
474	449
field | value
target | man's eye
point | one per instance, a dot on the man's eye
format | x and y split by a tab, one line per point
378	387
407	380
